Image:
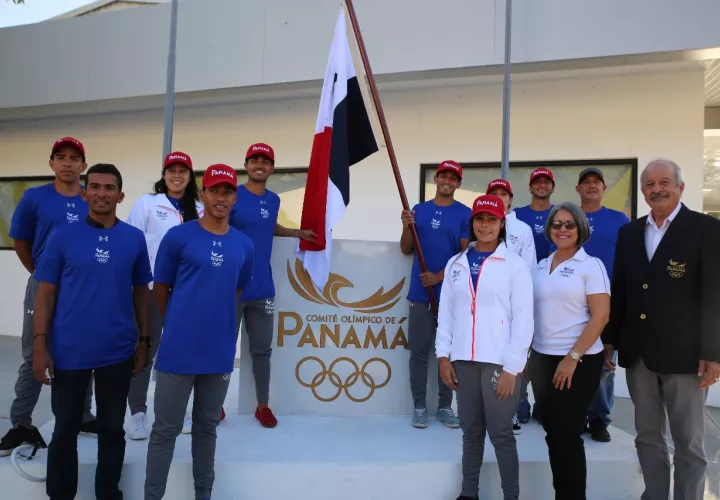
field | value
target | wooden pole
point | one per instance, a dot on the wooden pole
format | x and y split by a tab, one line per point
388	142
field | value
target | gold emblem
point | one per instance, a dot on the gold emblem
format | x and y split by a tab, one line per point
378	302
675	269
356	374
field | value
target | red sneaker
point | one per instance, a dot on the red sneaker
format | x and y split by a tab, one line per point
222	414
265	417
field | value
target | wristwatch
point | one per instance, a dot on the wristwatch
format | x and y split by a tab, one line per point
147	340
575	356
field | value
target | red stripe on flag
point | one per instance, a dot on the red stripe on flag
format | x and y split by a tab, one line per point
316	189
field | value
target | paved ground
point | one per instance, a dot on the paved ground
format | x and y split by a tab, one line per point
622	413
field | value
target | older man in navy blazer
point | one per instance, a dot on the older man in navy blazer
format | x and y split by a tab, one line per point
665	324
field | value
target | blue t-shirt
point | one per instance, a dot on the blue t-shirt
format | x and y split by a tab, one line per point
95	270
439	230
40	210
604	227
256	216
475	261
536	220
176	204
204	272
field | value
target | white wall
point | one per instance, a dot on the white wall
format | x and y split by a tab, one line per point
230	43
641	116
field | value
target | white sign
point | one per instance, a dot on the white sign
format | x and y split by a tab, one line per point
342	350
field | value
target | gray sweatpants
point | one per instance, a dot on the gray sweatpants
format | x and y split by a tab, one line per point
27	388
172	392
422	326
480	411
137	398
257	319
678	396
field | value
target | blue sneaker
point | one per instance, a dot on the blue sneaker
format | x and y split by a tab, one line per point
420	417
523	411
448	418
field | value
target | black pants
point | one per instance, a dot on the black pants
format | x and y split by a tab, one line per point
564	414
68	388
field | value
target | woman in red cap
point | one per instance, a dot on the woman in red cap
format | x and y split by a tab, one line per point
485	328
174	201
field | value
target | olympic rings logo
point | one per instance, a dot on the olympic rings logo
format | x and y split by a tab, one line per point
341	385
676	274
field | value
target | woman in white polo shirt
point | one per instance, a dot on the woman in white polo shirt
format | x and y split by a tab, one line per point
174	201
572	306
485	327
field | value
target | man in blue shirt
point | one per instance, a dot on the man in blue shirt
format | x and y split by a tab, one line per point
40	210
255	213
201	269
542	186
93	279
605	224
442	229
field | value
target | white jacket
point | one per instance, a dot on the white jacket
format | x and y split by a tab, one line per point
520	240
154	215
499	329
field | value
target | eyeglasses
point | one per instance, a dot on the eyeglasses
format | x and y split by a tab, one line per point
557	225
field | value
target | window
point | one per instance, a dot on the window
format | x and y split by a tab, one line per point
620	179
289	184
11	190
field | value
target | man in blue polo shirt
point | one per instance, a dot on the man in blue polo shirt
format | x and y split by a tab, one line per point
201	269
255	213
542	186
442	228
40	210
93	279
605	224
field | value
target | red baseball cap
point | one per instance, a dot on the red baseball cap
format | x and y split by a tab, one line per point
218	174
178	157
68	141
260	149
539	172
499	183
451	166
489	203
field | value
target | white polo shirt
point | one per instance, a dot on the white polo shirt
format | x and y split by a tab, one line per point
561	305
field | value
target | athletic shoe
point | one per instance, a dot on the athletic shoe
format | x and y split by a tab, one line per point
139	429
598	431
15	437
447	417
517	430
265	417
420	417
187	424
89	428
467	498
523	412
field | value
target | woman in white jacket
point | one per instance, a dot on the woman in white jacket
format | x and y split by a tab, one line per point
174	201
485	327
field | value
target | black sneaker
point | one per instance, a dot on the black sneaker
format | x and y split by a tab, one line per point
517	428
17	436
467	498
598	432
89	428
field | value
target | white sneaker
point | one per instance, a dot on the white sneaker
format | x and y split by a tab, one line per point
139	426
187	424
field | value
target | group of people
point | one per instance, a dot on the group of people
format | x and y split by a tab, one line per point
106	297
548	295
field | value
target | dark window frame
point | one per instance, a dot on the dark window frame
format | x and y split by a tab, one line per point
633	162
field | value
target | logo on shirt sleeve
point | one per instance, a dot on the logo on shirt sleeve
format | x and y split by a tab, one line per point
102	256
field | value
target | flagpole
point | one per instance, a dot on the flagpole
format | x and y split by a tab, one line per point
170	84
505	168
388	142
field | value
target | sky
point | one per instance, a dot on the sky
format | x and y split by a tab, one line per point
33	11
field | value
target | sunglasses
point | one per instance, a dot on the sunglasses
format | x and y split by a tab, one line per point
557	225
